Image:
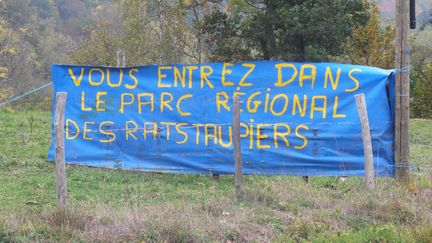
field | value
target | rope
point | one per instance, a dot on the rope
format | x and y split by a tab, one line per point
25	94
405	69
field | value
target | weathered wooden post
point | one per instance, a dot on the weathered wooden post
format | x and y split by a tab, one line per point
121	58
402	90
60	167
367	142
237	148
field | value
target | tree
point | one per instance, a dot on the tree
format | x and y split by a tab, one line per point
102	38
193	36
17	56
149	32
421	74
29	42
224	39
52	47
371	44
298	30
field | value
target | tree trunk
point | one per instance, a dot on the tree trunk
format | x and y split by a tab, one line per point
301	55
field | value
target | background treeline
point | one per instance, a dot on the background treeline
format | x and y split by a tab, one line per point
36	33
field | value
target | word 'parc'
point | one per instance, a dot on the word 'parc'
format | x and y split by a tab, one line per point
296	118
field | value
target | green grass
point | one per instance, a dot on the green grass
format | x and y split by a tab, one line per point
114	205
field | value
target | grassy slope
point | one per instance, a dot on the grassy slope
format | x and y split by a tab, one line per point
118	205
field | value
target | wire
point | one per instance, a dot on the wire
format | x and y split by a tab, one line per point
25	94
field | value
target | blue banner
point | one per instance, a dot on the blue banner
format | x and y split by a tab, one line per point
296	118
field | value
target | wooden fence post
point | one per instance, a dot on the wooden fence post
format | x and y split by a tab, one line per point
60	167
367	143
121	58
402	90
237	148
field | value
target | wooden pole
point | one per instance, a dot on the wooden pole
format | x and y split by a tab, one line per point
121	58
367	143
402	106
60	167
237	148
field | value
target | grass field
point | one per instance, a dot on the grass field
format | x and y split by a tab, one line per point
114	205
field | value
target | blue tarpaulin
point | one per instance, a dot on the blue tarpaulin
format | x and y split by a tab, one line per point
296	118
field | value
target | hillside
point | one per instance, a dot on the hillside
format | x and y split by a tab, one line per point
423	10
